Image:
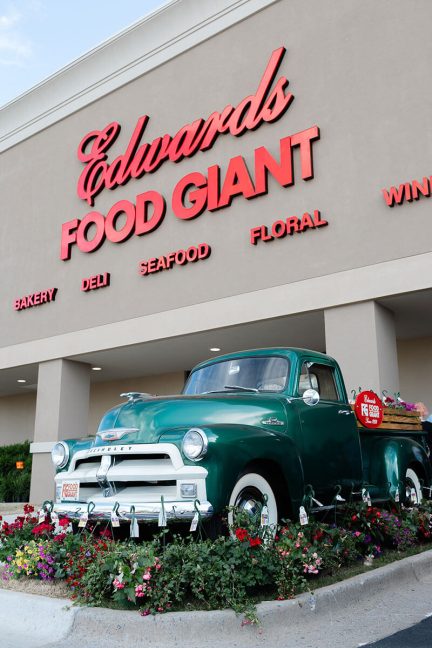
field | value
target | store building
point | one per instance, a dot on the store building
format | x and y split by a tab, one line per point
227	174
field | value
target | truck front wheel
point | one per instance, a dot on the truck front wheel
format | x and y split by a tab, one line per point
249	495
413	491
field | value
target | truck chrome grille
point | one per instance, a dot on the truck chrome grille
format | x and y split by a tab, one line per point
132	474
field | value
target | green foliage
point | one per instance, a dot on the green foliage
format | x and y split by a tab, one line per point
190	573
308	550
14	483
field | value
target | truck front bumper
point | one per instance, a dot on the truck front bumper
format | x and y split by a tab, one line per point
143	512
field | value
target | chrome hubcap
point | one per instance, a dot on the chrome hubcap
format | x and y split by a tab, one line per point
249	501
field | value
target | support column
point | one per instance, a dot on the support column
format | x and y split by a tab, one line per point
362	338
62	409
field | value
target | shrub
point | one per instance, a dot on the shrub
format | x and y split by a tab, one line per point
15	484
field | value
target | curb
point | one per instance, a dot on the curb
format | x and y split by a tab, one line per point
39	617
56	620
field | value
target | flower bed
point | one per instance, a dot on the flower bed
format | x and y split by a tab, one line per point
193	572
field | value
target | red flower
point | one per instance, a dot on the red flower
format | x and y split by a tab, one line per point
241	534
28	508
254	542
64	522
353	518
318	535
42	528
59	537
105	533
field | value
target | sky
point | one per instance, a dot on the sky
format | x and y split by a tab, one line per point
38	37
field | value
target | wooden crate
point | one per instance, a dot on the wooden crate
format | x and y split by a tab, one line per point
397	419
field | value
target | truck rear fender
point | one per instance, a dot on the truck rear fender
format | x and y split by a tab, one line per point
389	460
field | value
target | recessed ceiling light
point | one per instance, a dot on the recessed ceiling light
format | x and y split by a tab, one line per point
21	380
214	349
96	368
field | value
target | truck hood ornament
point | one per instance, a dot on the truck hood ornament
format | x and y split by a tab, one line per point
133	396
115	434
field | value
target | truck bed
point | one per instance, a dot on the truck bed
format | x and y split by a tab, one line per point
396	419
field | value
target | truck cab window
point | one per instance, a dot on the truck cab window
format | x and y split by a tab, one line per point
320	377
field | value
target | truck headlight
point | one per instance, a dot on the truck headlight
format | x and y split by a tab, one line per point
60	454
194	444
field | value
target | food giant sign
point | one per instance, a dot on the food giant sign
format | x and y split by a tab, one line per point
195	192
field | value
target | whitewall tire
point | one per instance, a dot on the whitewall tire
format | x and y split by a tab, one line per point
412	482
248	496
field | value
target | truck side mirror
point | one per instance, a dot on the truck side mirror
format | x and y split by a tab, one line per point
311	397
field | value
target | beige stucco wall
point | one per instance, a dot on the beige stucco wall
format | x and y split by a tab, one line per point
369	140
105	395
17	413
415	369
17	417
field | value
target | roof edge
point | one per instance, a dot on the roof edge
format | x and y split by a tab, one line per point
160	36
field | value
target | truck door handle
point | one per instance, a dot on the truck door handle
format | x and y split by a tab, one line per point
344	412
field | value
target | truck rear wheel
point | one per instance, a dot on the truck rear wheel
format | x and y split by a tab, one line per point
248	496
413	491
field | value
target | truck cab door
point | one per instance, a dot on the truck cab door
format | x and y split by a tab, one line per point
329	440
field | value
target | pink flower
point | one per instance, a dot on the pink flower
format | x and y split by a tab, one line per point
147	576
139	591
309	569
118	584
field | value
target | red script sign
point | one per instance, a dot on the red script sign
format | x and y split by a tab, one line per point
266	105
369	409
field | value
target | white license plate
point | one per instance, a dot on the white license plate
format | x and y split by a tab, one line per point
70	491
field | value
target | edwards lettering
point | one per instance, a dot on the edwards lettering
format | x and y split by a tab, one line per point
265	105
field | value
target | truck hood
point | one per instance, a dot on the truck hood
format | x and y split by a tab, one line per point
149	419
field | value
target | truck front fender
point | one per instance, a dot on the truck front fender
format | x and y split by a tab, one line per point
237	449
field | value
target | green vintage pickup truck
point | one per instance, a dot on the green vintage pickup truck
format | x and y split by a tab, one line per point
268	425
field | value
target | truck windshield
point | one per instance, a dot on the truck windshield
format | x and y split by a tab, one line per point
263	374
